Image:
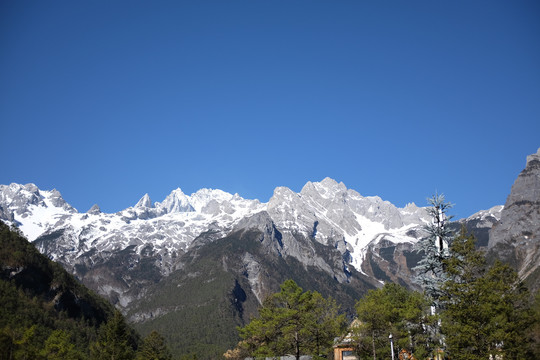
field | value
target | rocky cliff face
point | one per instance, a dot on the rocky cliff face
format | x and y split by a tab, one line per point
516	237
479	224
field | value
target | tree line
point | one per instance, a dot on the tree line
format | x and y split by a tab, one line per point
114	340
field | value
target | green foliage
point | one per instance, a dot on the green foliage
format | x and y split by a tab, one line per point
394	310
27	346
486	309
115	341
154	348
59	346
323	323
199	317
292	322
535	328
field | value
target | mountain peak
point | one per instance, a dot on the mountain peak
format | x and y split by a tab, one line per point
533	157
94	210
328	187
329	182
411	207
177	202
145	202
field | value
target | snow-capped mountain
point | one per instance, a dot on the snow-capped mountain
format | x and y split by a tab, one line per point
336	214
213	253
32	210
373	236
326	210
169	226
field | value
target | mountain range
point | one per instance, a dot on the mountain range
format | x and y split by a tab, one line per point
175	264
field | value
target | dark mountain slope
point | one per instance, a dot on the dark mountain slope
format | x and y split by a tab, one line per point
220	286
38	296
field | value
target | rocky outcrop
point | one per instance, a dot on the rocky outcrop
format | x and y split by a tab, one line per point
516	237
94	210
479	224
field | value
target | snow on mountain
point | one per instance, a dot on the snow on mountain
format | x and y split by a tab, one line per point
176	202
490	215
94	210
331	213
326	211
33	210
145	202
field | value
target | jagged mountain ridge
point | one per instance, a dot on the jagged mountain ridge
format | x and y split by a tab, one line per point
327	210
156	234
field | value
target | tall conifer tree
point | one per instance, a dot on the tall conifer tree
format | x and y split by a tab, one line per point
430	269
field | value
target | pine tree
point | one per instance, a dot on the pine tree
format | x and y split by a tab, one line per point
394	310
291	322
59	346
486	309
323	324
114	340
430	268
154	348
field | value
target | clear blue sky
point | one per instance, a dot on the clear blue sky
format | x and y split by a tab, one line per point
108	100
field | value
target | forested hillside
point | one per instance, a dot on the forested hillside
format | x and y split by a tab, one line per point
46	313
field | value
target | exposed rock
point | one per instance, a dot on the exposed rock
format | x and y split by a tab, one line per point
479	224
57	200
6	215
516	237
94	210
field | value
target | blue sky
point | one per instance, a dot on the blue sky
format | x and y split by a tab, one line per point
108	100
